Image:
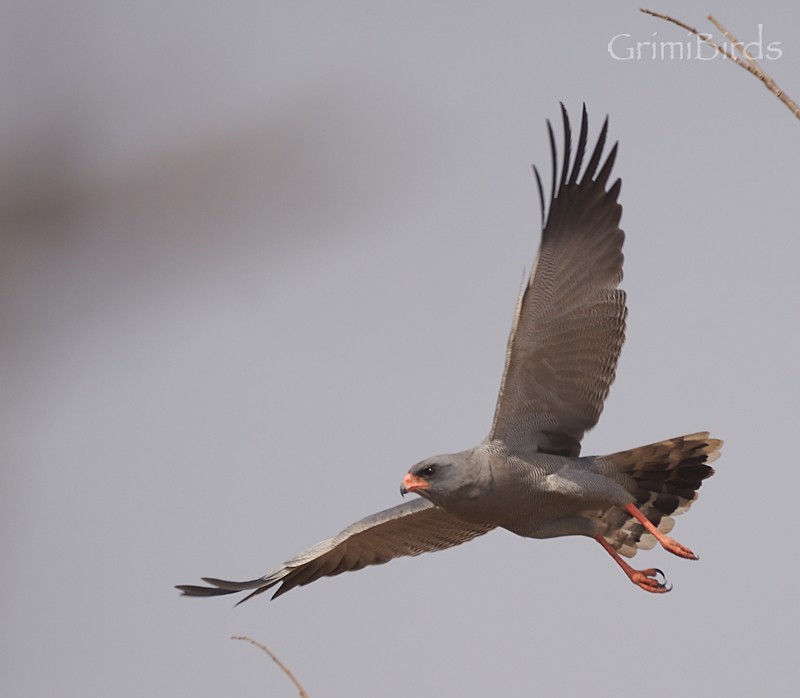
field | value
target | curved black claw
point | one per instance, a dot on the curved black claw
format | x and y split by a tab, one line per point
662	583
652	580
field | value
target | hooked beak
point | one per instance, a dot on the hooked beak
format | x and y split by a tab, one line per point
412	483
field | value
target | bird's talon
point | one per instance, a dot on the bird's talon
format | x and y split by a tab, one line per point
648	580
672	546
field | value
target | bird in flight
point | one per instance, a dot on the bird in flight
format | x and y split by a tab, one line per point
527	476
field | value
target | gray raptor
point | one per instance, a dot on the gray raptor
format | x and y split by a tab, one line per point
527	475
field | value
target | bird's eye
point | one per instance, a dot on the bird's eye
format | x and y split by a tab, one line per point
427	472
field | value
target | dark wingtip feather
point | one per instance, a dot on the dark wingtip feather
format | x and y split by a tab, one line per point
602	176
553	160
567	176
567	147
281	590
191	590
594	161
541	193
615	189
581	149
252	594
234	586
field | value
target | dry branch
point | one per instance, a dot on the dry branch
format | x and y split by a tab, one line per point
746	61
283	667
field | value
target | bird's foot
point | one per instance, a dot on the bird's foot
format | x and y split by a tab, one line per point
644	579
649	580
669	544
672	546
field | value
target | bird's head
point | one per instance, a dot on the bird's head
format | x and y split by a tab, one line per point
441	478
424	478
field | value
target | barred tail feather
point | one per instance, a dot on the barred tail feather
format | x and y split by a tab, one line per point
664	478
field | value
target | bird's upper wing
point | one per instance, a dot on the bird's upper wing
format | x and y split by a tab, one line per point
410	528
570	320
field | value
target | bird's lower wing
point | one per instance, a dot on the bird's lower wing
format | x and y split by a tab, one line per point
410	528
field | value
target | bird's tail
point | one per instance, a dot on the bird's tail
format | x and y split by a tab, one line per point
664	478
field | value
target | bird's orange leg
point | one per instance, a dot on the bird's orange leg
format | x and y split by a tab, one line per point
644	579
669	544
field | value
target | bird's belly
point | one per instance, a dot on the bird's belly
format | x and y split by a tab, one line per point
521	510
547	514
542	505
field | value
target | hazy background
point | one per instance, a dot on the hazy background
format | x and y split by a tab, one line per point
258	258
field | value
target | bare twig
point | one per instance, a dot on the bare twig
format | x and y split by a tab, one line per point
746	61
738	45
283	667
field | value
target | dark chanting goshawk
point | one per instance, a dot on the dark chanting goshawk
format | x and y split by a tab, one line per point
527	476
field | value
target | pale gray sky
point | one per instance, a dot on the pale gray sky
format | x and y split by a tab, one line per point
260	258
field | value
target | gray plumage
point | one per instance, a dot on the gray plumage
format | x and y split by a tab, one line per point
410	528
527	476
